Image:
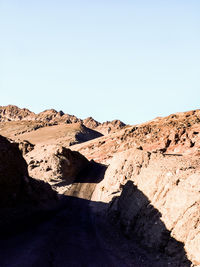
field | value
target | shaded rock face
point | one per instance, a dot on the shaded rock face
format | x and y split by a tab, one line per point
15	184
156	198
53	163
13	172
86	134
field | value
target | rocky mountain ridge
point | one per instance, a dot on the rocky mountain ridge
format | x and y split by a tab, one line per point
175	134
51	116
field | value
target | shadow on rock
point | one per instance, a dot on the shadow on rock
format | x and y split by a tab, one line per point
73	230
93	173
138	220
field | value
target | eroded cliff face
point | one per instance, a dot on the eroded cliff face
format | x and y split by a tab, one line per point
156	198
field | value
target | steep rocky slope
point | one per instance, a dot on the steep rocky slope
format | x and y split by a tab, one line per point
13	172
152	183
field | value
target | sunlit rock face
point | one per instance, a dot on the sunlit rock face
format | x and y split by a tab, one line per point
53	117
54	163
156	198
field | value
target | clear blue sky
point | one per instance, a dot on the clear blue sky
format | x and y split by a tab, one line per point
132	60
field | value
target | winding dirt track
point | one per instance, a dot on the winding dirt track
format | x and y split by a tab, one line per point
69	238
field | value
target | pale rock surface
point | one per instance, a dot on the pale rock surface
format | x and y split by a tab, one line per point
157	198
55	164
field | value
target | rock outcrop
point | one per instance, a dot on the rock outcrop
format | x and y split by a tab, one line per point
156	198
22	198
110	126
13	172
176	134
13	113
91	123
15	184
105	127
55	164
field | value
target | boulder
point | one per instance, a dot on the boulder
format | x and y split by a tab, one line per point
54	163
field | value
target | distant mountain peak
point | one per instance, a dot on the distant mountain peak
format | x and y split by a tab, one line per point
14	113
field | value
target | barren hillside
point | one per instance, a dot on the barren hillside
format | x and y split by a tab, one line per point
12	113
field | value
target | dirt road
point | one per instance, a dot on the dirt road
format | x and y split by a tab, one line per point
70	237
